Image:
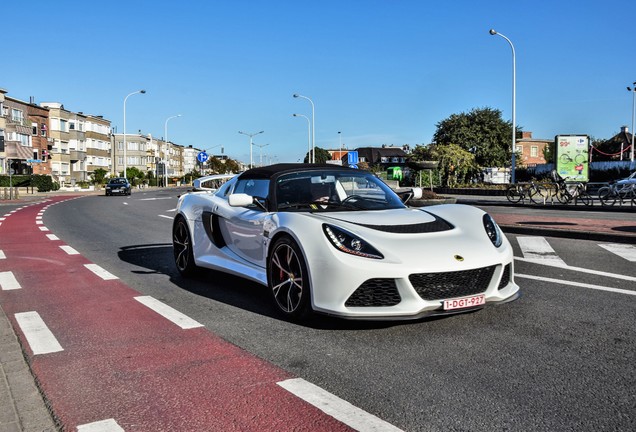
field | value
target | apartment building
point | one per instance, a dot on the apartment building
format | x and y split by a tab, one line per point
136	154
531	149
190	162
3	126
68	151
98	145
25	137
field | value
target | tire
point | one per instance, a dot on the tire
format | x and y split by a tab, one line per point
288	280
606	196
182	248
513	194
540	195
585	198
563	196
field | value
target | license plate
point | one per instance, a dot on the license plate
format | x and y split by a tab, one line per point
465	302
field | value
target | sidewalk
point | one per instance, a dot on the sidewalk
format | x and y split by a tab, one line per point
22	408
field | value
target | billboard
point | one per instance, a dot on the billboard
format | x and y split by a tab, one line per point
572	156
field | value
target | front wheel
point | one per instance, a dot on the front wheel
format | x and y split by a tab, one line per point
539	195
288	279
182	248
606	196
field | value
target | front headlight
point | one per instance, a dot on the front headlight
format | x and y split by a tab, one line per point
492	230
349	243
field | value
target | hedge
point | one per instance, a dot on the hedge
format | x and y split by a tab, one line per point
44	183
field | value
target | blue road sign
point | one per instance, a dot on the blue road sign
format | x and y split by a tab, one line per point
352	158
34	160
202	157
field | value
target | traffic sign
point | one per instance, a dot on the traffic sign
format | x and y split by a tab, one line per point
352	158
202	157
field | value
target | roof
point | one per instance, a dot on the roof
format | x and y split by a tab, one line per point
270	171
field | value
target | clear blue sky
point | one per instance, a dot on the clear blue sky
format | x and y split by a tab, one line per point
380	72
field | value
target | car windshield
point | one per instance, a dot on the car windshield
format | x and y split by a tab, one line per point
118	181
334	191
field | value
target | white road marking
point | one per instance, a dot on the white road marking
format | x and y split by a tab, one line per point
538	249
109	425
579	269
577	284
155	199
69	250
338	408
39	216
1	219
39	222
8	281
39	337
167	217
52	236
171	210
125	203
43	228
2	255
100	272
183	321
622	250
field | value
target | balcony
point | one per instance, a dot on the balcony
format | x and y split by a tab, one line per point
77	155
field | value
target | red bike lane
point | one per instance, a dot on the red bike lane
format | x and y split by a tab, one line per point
121	360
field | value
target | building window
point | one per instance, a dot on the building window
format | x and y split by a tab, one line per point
71	126
34	129
63	125
534	151
43	129
17	115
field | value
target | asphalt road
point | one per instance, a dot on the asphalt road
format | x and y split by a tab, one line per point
561	357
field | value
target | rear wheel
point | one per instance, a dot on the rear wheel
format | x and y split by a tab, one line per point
513	194
288	279
182	248
539	195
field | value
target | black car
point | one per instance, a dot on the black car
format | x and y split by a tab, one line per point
118	185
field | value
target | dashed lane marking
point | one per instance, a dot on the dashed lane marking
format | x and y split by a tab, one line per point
167	217
183	321
339	409
43	228
52	236
109	425
2	255
69	250
8	281
622	250
538	249
38	336
100	272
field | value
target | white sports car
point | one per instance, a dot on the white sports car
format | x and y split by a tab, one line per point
339	241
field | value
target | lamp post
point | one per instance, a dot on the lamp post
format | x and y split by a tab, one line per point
313	127
165	153
514	102
207	149
261	146
633	90
251	135
308	135
125	156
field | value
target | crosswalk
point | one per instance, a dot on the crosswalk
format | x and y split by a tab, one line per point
535	248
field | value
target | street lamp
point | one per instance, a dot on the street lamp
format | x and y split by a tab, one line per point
125	156
308	136
313	127
261	146
251	135
514	102
340	138
165	153
633	90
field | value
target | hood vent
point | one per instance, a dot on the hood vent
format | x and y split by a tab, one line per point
437	225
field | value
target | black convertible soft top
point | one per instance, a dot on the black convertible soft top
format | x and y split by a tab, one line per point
269	171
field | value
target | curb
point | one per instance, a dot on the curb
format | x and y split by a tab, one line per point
570	234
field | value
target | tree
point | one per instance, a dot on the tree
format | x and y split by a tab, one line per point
322	156
99	176
456	165
482	132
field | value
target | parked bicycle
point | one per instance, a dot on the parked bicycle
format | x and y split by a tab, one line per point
623	191
566	192
536	193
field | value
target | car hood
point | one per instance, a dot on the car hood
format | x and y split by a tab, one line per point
408	220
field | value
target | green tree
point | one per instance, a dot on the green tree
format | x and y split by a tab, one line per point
322	156
99	176
482	132
456	165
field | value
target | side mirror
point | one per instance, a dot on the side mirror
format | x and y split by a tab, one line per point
240	200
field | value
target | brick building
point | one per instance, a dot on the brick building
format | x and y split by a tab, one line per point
531	149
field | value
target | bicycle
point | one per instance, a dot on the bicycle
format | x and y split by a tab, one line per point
518	192
623	190
565	192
